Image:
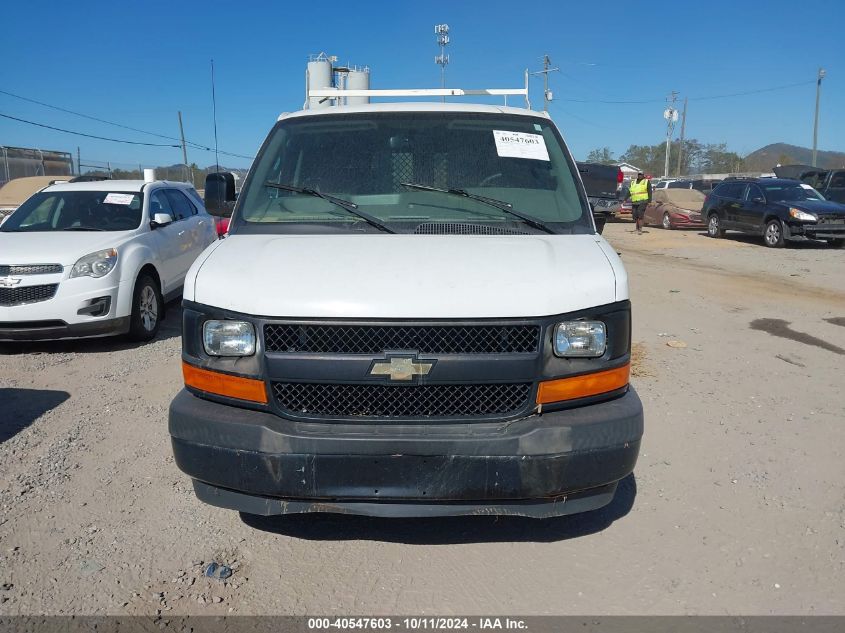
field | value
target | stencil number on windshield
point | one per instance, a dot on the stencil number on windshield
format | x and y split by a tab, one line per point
520	145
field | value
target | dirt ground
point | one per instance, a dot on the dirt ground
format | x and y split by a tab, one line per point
737	505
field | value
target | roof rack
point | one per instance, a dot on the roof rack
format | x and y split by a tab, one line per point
333	93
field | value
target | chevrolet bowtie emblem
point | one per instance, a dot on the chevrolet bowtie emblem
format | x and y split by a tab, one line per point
8	282
400	368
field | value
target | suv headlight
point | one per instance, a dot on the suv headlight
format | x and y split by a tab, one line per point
580	339
228	338
96	264
798	214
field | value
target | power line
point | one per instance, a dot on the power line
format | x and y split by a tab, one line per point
101	138
753	92
193	144
703	98
86	116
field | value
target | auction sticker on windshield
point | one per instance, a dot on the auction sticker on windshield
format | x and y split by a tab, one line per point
119	198
520	145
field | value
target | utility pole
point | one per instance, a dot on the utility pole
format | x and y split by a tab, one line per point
547	94
184	147
671	116
683	129
821	75
78	162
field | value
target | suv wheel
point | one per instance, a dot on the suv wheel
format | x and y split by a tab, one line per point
837	242
147	309
667	222
773	233
714	226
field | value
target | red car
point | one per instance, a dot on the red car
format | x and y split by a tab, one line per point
675	209
222	226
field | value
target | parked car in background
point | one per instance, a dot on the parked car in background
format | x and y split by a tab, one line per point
98	258
777	209
15	192
828	182
602	183
679	184
661	183
705	185
675	208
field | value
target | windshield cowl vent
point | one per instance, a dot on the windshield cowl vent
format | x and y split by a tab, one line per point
458	228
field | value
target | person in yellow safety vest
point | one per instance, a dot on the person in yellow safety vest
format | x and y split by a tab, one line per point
639	193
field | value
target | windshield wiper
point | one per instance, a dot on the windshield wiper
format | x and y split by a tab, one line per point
346	205
82	228
507	207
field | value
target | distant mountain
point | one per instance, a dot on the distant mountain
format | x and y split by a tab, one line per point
767	157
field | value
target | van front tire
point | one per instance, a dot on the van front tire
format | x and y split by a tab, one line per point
147	309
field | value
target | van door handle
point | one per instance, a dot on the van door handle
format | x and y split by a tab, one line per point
181	232
201	222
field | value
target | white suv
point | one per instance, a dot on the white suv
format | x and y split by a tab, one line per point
98	258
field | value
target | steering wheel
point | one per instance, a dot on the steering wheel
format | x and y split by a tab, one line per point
489	179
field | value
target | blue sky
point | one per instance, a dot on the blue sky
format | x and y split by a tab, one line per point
138	63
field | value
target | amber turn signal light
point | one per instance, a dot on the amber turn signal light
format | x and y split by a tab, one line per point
583	386
224	384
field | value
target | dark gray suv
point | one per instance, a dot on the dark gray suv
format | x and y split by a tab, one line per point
778	209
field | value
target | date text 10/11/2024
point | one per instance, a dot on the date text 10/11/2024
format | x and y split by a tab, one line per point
417	624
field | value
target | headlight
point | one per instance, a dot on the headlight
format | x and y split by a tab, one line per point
798	214
228	338
96	264
580	338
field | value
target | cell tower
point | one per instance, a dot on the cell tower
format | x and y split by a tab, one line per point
442	33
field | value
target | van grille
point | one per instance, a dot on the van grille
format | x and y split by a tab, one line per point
26	294
427	339
388	401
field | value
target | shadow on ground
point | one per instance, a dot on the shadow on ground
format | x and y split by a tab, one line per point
757	240
21	407
171	327
449	530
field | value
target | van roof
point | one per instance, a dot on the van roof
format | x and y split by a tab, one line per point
414	107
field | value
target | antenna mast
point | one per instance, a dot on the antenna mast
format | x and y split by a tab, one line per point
671	116
442	33
214	109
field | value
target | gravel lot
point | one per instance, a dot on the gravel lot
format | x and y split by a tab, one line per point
736	506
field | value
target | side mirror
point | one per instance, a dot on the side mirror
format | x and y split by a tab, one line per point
600	219
161	219
220	193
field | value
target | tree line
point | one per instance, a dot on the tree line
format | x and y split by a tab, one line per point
697	158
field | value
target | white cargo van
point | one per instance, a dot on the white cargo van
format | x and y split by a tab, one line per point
413	314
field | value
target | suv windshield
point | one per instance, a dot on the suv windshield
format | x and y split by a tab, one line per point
76	211
369	159
791	192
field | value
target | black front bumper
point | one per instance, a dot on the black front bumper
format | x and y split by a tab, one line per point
543	465
819	231
54	330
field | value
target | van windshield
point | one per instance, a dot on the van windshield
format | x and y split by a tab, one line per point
371	159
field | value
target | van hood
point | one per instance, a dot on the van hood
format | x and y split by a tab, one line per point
407	276
56	247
